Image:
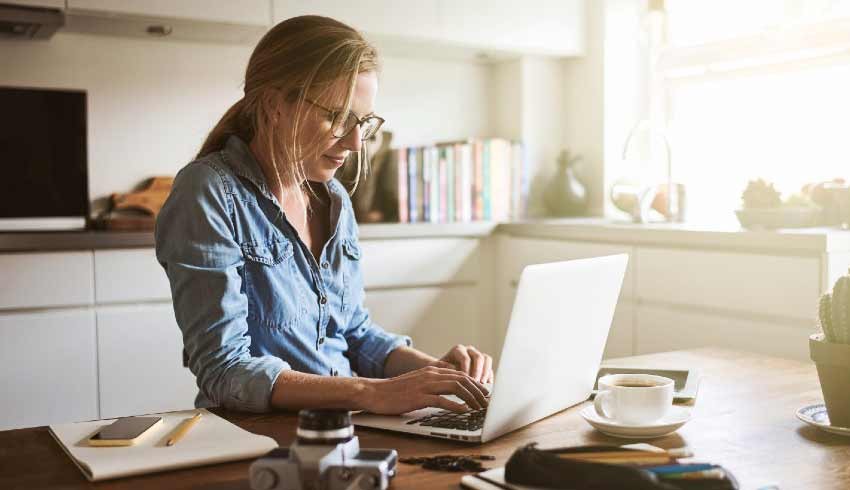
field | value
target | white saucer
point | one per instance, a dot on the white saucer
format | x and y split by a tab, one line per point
675	418
816	415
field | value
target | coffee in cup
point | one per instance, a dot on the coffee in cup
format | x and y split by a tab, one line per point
634	398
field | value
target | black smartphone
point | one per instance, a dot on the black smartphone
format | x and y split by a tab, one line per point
125	431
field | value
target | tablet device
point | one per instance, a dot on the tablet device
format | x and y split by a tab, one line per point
685	381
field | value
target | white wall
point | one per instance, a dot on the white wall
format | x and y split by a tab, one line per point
151	102
584	105
426	101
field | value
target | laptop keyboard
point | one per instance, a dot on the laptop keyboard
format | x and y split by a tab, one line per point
444	419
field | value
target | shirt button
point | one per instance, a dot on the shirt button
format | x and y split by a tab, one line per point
321	340
325	265
324	300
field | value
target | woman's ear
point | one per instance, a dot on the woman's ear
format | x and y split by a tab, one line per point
275	106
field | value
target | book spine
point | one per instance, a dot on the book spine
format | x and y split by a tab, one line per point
413	209
450	190
443	187
466	184
439	186
478	181
426	186
525	180
486	181
516	181
401	156
420	184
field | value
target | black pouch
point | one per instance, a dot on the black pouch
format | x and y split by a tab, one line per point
543	468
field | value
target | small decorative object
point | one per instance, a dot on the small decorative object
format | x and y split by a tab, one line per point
760	194
136	211
830	350
451	463
375	198
834	199
565	194
764	208
639	201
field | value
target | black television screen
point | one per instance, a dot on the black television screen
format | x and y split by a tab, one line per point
43	155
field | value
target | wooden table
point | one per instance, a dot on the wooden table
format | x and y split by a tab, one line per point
743	419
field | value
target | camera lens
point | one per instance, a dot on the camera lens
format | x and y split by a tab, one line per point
324	426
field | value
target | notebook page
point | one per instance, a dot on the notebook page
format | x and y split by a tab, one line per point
212	440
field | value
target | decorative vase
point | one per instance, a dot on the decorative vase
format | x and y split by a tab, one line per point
833	364
565	194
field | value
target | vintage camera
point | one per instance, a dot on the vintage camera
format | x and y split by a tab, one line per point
326	456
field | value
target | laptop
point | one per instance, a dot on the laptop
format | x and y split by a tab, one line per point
552	352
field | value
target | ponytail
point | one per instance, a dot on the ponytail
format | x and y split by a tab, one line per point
234	121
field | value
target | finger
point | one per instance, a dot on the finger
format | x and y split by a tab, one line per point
475	389
478	390
481	391
457	388
474	386
461	358
488	369
446	404
444	365
477	369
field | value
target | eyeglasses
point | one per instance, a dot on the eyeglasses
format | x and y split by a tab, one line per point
369	125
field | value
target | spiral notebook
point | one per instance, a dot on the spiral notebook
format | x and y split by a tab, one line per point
212	440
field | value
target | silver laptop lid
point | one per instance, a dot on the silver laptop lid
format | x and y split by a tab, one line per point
553	347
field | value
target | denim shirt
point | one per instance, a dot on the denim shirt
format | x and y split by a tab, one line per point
249	296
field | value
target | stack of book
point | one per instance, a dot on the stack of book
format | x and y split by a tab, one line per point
473	180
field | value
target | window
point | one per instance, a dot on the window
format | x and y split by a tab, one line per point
755	88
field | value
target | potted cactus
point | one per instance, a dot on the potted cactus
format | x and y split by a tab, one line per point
830	350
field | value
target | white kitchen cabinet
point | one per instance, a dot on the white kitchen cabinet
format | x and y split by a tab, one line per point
772	285
49	372
621	337
140	367
54	4
665	329
419	262
40	280
554	27
376	17
129	276
436	318
252	12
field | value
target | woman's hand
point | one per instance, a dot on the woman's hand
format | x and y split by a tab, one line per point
468	359
423	388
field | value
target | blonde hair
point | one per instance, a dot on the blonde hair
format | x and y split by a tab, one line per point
299	56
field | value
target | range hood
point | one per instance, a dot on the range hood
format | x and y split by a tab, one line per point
29	22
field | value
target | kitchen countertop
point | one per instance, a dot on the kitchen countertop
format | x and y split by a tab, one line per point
678	235
99	240
685	235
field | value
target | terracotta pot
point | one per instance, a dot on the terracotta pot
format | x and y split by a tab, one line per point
833	363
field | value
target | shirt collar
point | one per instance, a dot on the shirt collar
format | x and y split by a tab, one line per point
243	163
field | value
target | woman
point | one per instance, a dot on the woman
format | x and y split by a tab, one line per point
260	245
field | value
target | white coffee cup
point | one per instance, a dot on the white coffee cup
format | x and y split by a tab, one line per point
634	398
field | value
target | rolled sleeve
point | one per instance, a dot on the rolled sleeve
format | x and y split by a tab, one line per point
195	246
371	344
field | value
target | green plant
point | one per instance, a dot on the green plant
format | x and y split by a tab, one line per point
760	194
799	201
834	312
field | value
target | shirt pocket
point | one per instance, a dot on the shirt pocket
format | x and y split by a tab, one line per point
352	279
272	284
